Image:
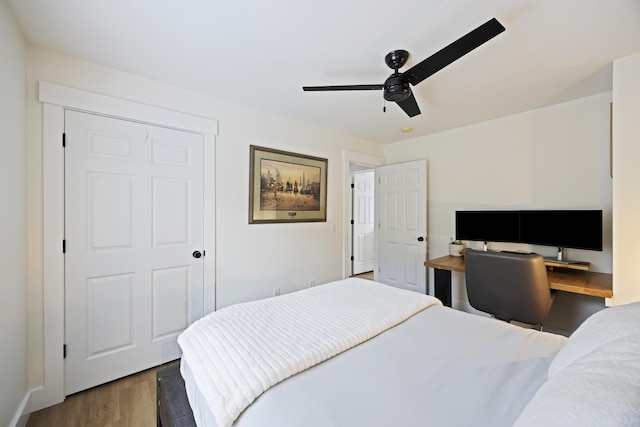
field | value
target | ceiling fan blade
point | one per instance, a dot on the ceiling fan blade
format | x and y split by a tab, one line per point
343	87
454	51
410	106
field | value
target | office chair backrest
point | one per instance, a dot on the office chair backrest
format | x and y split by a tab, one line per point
507	285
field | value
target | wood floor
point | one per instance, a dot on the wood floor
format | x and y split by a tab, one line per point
368	275
127	402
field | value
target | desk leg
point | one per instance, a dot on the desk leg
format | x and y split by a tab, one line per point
443	285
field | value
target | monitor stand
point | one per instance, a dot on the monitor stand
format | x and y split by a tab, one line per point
564	261
560	259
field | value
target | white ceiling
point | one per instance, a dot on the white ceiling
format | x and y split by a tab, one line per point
260	53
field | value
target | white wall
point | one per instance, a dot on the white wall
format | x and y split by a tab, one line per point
251	259
550	158
13	225
626	179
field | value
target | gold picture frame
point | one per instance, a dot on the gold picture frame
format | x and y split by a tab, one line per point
286	187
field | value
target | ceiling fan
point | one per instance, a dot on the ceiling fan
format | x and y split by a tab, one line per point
396	87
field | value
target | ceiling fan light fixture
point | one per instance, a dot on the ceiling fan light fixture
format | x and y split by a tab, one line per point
396	89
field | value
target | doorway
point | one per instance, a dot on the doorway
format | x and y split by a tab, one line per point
401	261
352	161
362	220
56	100
134	219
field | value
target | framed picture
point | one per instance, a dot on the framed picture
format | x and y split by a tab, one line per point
286	187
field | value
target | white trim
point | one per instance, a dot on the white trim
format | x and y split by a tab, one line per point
52	390
88	101
55	100
21	417
363	159
209	206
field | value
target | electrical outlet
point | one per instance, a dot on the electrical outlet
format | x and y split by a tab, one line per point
312	283
276	292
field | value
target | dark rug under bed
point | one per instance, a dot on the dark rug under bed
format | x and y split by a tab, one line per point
173	406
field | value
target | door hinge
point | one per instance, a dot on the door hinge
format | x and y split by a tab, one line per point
64	246
64	139
353	186
352	222
352	258
64	351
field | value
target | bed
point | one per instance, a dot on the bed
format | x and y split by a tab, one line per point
400	359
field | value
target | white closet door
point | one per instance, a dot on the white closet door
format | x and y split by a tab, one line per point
363	222
401	196
133	219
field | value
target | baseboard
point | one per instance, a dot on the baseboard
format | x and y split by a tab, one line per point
43	397
22	413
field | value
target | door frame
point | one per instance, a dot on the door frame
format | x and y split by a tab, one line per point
362	159
56	99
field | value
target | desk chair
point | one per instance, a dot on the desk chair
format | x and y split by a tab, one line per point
508	286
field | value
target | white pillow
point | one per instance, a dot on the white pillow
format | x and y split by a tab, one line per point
598	331
600	389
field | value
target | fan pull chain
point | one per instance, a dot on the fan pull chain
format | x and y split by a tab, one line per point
384	105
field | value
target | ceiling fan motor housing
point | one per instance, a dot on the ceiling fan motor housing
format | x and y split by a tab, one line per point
396	88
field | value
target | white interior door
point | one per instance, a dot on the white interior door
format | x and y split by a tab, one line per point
133	219
401	196
363	222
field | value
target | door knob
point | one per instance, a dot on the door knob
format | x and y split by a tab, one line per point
420	239
197	254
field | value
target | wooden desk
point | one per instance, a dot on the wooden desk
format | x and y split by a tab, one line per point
561	278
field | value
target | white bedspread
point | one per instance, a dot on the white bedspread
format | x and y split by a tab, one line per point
440	367
237	353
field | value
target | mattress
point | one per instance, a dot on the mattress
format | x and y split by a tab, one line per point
439	367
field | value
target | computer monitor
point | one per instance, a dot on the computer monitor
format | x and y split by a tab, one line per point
579	229
488	226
